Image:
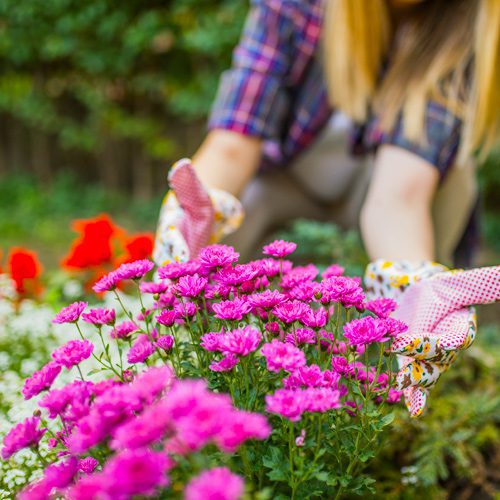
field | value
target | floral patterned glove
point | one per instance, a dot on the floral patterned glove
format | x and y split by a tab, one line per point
192	216
437	309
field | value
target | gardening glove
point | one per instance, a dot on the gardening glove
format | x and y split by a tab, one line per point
437	309
192	216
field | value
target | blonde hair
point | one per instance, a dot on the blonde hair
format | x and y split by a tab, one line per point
449	51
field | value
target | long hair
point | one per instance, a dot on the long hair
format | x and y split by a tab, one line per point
447	51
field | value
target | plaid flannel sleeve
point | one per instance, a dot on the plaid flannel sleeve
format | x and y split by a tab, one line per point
442	138
252	98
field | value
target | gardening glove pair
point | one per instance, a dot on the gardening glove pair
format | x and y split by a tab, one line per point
436	304
192	216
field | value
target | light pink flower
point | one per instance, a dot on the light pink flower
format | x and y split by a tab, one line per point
279	248
282	356
100	316
41	380
73	353
23	435
218	483
71	313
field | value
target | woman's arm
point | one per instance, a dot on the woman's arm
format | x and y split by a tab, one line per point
227	160
396	219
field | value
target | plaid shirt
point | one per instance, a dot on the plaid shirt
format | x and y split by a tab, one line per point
276	90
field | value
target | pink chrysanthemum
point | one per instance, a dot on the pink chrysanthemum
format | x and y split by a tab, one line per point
190	286
88	465
381	307
167	317
106	283
71	402
333	270
237	275
185	310
341	289
298	275
41	380
321	399
123	330
219	483
303	291
231	310
73	353
165	342
175	270
282	356
100	316
395	327
212	341
279	248
315	318
289	312
289	403
71	313
301	336
23	435
140	351
241	342
226	364
267	299
154	287
134	270
216	256
365	331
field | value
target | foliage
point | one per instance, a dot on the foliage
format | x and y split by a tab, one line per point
87	71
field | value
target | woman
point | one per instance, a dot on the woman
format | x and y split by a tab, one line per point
420	79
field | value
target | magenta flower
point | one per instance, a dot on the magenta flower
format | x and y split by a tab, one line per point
123	330
175	270
303	291
301	336
134	270
333	270
167	317
88	465
231	310
341	289
241	342
279	248
140	351
395	327
321	399
166	342
212	341
340	365
282	356
190	286
238	275
292	311
154	288
41	380
365	331
137	472
23	435
71	313
100	316
73	353
71	402
241	426
315	318
185	310
215	256
218	483
298	275
152	383
289	403
106	283
311	376
381	307
267	299
226	364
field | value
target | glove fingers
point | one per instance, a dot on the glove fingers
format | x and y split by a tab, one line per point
458	330
170	245
419	373
415	399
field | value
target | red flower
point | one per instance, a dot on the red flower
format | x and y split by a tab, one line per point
137	247
93	247
24	268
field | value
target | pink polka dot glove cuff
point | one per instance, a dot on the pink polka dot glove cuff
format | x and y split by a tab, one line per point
192	216
441	321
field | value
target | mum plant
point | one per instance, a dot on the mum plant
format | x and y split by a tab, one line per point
261	380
